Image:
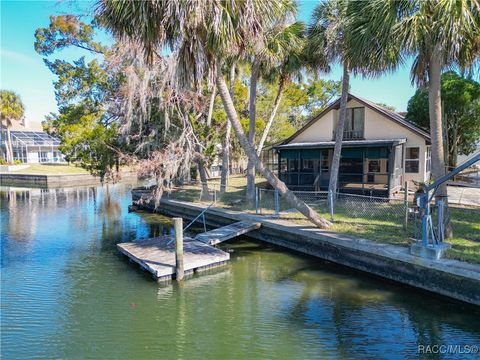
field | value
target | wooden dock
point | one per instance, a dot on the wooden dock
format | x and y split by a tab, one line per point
157	255
224	233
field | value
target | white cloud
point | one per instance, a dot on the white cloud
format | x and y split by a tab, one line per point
17	56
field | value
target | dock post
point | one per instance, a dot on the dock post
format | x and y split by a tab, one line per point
405	204
178	226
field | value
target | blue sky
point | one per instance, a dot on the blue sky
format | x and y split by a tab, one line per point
22	69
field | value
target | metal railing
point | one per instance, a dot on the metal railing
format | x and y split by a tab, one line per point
351	135
202	214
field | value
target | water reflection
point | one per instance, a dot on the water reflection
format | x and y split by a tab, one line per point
67	293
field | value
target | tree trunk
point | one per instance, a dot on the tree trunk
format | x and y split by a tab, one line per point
253	157
203	177
276	103
226	145
454	156
252	109
8	146
436	131
210	106
337	151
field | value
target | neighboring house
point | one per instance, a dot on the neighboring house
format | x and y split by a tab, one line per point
31	144
380	151
462	158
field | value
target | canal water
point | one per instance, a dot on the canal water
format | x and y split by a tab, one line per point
66	293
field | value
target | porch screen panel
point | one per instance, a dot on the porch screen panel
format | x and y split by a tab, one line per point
352	153
376	153
310	154
290	154
310	160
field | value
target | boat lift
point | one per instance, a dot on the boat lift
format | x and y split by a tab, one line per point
432	240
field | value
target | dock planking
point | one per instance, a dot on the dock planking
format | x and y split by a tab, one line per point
224	233
157	255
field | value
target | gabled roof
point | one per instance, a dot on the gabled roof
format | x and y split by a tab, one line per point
399	119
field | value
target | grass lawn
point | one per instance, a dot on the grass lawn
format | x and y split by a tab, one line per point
377	222
41	169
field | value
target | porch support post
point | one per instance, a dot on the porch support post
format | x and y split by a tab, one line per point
391	169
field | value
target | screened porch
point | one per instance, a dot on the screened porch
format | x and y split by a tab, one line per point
371	170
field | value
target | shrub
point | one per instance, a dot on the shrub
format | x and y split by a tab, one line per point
17	162
3	161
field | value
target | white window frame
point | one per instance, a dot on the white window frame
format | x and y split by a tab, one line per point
407	160
428	159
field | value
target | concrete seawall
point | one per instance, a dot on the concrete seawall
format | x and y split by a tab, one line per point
452	278
52	181
48	181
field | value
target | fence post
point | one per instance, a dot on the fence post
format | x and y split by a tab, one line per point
330	203
405	204
178	226
277	203
214	197
257	210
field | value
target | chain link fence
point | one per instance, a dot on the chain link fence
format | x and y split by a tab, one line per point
343	205
386	220
369	216
269	202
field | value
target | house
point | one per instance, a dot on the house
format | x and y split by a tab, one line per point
30	144
380	151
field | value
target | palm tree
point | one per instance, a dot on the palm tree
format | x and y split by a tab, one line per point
328	36
289	43
226	145
267	54
11	108
203	34
438	34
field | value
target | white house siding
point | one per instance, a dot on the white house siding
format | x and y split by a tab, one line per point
320	130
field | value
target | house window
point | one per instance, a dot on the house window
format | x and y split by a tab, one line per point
412	156
428	161
355	123
374	166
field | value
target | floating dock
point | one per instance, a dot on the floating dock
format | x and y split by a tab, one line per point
157	255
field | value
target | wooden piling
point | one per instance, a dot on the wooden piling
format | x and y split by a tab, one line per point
178	226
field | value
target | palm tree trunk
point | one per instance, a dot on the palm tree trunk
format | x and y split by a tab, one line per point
210	106
253	157
276	103
226	145
8	146
252	107
454	155
337	151
436	130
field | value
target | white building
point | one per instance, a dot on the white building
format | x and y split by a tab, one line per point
30	144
